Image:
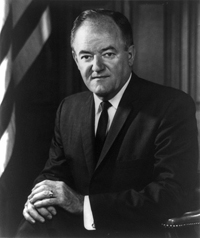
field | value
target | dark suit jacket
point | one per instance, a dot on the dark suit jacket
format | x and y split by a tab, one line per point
148	166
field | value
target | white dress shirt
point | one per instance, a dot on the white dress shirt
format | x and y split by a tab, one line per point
87	212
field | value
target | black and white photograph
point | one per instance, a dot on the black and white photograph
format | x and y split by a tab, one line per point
99	119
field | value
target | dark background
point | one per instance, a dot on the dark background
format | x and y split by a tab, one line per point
167	41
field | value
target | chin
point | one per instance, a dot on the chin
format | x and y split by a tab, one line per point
99	90
100	93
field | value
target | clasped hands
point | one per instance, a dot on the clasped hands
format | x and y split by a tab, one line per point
48	194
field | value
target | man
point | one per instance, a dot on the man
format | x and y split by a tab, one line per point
142	172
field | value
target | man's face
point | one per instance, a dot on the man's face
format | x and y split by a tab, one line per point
100	55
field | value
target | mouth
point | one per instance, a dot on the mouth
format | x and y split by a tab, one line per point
100	77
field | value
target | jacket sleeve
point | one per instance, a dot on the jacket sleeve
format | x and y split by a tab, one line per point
56	167
174	179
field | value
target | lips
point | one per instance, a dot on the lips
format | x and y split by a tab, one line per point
100	77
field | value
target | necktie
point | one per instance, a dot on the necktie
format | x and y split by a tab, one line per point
101	129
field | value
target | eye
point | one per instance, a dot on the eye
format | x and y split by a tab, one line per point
109	55
86	57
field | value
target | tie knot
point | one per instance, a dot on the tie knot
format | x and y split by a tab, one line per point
105	105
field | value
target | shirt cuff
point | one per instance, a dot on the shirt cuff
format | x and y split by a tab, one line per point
87	215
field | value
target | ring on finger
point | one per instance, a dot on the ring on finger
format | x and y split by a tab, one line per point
50	193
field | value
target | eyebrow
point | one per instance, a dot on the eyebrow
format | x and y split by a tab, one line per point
104	49
84	52
108	48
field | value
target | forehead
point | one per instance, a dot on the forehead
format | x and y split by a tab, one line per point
97	33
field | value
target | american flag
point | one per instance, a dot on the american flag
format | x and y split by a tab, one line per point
25	27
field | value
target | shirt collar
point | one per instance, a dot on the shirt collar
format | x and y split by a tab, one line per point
115	100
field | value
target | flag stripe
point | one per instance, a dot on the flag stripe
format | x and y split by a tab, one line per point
6	89
5	72
4	11
7	142
24	33
6	108
19	7
25	25
32	47
5	37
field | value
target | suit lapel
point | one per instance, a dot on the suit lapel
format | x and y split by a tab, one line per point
128	104
87	131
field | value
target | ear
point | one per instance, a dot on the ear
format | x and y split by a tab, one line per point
131	55
75	57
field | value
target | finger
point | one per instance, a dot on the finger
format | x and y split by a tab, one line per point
37	190
45	212
32	214
27	216
46	202
44	182
52	210
40	196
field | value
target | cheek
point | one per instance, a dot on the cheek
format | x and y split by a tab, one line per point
122	69
116	67
117	72
85	71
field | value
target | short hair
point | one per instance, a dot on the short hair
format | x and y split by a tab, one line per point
95	14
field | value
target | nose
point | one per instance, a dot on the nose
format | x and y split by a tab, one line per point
97	64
